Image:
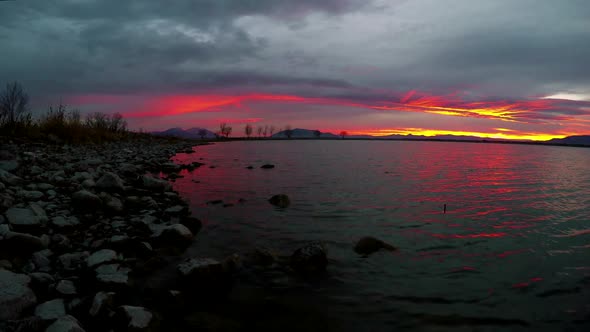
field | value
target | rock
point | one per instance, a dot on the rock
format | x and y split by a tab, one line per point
15	294
22	243
41	282
9	178
112	276
131	318
61	221
23	219
86	201
267	166
101	301
155	184
31	195
88	184
41	259
110	182
192	223
281	200
250	167
261	256
51	310
204	277
199	267
368	245
176	210
309	259
36	170
101	257
176	235
113	204
72	260
38	211
66	287
9	165
65	324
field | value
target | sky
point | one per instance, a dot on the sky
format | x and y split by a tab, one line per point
515	69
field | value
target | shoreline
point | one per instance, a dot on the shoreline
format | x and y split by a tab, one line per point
90	238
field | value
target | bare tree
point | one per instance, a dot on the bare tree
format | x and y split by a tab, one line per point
271	130
343	134
248	130
259	130
265	131
288	131
227	131
202	132
222	129
14	105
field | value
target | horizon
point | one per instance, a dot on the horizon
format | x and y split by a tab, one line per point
507	70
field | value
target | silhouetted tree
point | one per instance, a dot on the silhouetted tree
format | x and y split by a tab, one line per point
14	106
259	130
265	131
288	131
343	134
317	133
248	130
224	129
271	130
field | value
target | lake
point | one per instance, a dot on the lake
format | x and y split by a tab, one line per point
512	251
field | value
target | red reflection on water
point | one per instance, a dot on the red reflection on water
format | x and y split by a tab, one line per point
469	236
511	252
527	283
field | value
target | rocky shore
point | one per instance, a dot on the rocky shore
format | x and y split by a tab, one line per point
84	228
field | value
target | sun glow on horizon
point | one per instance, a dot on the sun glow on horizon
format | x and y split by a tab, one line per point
502	133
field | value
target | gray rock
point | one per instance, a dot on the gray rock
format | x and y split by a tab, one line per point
312	258
199	267
176	235
61	221
45	186
85	200
101	301
38	211
41	259
2	186
36	170
31	195
110	182
88	184
23	243
135	318
65	324
281	201
9	178
23	219
112	276
113	204
9	165
155	184
72	260
51	310
368	245
15	294
66	287
176	210
101	257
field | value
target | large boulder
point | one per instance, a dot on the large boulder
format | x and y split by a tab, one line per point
368	245
101	257
22	243
176	235
280	200
85	200
101	302
155	184
112	276
51	310
110	182
15	294
310	259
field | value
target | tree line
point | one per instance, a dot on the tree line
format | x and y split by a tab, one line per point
58	123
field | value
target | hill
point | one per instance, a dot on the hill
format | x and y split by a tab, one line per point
303	133
192	133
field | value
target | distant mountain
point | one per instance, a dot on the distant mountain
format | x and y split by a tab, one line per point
576	140
303	133
193	133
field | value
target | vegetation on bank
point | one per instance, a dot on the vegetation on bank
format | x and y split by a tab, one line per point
58	124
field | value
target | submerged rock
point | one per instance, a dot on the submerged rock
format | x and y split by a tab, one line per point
368	245
281	200
15	294
312	258
267	166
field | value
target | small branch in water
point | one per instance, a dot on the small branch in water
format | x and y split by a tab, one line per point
444	209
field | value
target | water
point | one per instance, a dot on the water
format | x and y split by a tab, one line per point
512	251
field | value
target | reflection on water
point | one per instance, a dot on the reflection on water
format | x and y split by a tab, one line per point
511	250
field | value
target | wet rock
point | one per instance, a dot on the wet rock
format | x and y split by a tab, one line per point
101	302
72	260
15	294
176	235
112	276
110	182
41	259
66	287
214	202
32	195
9	165
9	178
250	167
131	318
65	324
38	211
192	223
101	257
312	258
51	310
176	210
23	220
61	221
267	166
113	204
261	256
155	184
368	245
22	243
41	282
86	201
281	200
88	184
205	277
